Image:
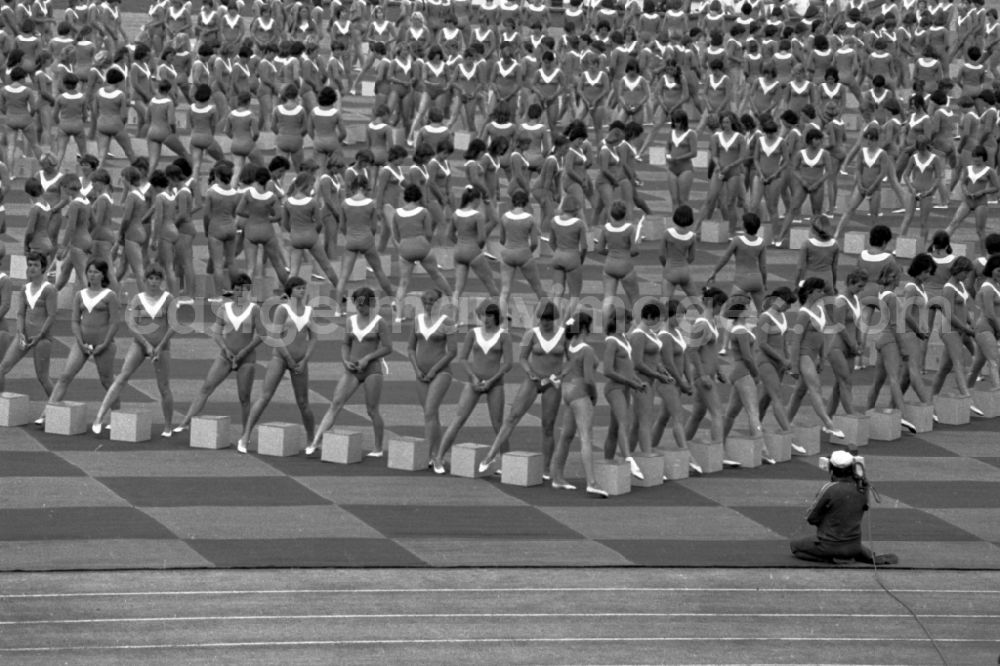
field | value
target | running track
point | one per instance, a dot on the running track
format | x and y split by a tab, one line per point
515	616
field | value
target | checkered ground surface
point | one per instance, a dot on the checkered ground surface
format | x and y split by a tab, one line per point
85	502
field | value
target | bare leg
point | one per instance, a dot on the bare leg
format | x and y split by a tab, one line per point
300	388
275	371
216	375
346	387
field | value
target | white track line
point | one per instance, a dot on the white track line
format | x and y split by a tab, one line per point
492	590
408	616
839	640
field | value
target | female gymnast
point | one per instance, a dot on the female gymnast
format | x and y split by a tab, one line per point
292	337
237	330
431	350
149	319
367	341
487	356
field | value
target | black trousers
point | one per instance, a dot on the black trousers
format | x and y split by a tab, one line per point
815	550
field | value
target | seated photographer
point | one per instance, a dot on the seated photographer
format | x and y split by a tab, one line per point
837	514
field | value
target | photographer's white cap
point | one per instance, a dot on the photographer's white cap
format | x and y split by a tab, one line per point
841	459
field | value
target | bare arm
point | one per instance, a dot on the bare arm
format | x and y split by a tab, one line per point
451	350
723	260
51	308
611	372
638	342
258	337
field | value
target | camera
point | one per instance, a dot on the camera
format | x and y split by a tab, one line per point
859	462
847	459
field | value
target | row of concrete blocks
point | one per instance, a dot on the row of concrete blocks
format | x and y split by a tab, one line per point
521	468
885	424
71	418
348	446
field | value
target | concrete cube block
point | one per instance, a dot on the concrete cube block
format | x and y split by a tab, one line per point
211	432
462	140
766	232
367	88
358	274
778	445
21	168
204	285
708	456
355	134
465	459
921	416
653	228
522	468
410	306
344	447
953	409
884	425
613	476
855	428
798	236
808	437
115	173
746	451
280	439
854	242
713	231
843	198
445	257
988	402
66	418
935	352
319	292
908	247
960	249
408	453
131	426
652	467
264	288
657	156
18	267
15	410
465	313
676	463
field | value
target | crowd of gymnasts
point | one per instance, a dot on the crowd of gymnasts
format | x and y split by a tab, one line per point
554	124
